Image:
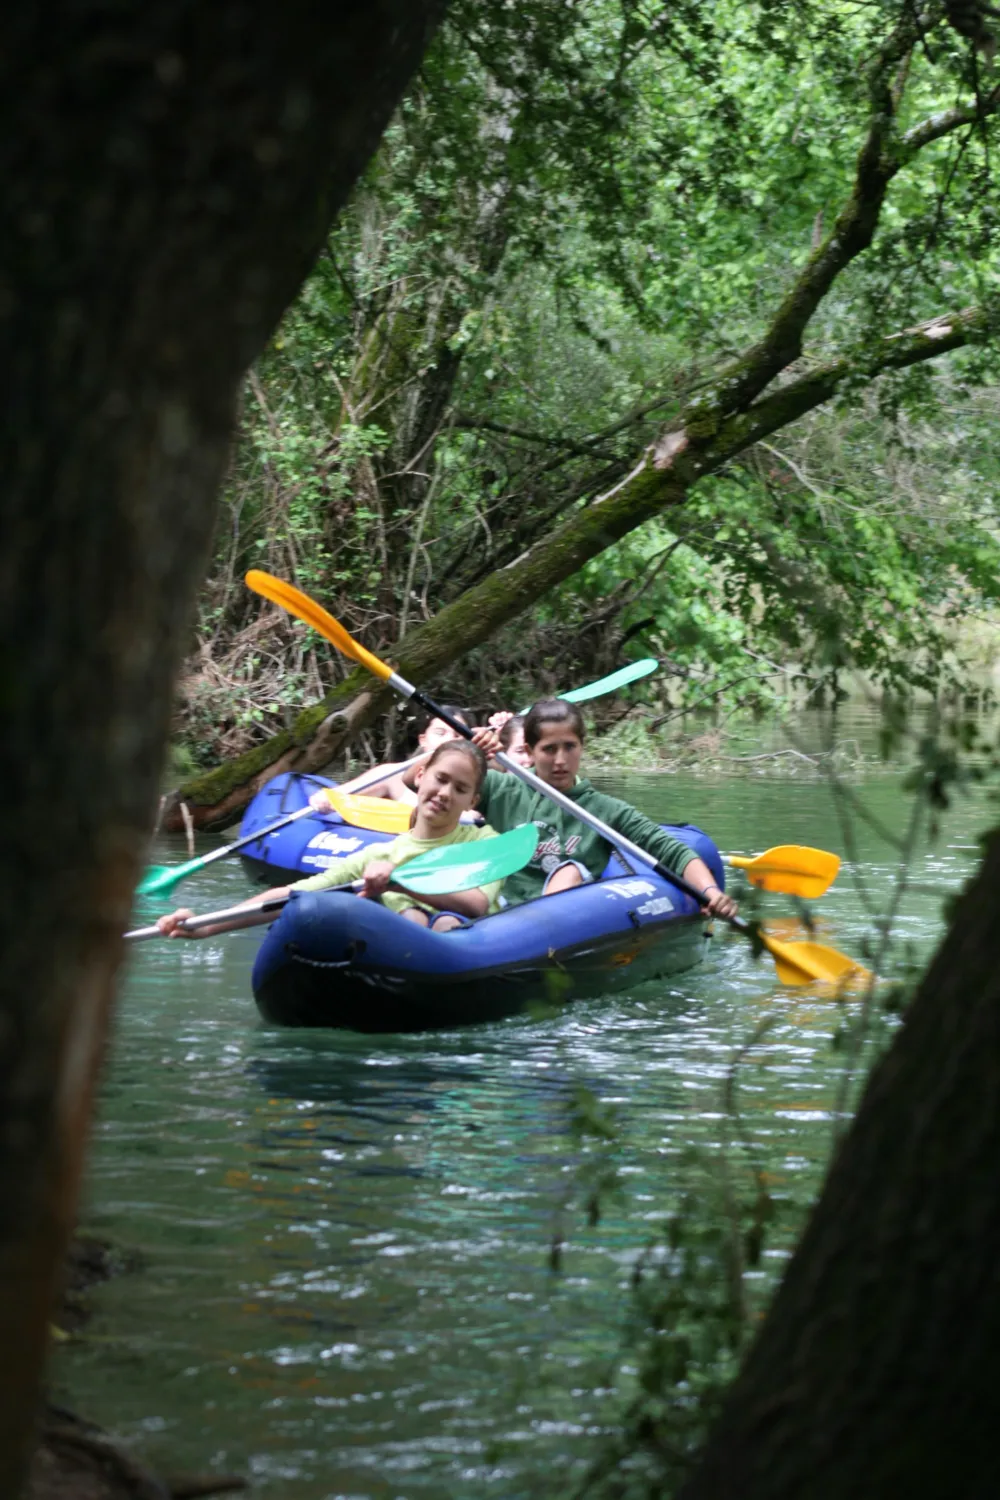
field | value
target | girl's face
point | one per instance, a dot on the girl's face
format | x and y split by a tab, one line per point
436	733
518	750
445	791
556	757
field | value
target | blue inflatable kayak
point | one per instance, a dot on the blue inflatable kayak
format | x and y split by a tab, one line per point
335	961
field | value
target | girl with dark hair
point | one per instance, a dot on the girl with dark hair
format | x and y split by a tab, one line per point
447	786
569	852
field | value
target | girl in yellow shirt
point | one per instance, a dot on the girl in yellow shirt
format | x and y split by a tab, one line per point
447	786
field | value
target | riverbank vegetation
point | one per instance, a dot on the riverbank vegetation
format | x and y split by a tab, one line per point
610	252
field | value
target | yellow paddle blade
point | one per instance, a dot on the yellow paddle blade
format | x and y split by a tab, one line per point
297	603
790	870
377	813
807	963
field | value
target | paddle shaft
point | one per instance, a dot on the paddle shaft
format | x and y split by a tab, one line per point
383	773
618	840
262	833
302	812
234	917
251	838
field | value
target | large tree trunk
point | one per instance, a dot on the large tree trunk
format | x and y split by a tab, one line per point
170	170
873	1376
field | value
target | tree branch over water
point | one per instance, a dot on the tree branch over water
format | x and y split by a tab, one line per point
660	481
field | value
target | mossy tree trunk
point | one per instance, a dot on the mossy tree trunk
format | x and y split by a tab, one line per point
875	1372
170	171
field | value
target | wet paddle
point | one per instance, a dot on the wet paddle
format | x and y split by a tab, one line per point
789	870
797	963
453	867
630	673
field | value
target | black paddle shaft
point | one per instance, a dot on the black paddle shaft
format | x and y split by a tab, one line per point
568	805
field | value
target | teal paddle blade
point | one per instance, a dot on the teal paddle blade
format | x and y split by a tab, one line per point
462	867
165	877
620	679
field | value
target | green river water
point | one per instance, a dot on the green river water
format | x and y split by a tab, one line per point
345	1287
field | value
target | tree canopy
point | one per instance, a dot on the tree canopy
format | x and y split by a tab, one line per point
606	253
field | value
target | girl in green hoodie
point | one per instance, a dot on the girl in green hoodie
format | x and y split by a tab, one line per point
569	852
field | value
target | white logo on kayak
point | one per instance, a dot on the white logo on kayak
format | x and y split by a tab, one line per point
336	843
630	888
655	907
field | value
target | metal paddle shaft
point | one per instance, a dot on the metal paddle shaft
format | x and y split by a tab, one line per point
234	917
163	879
349	811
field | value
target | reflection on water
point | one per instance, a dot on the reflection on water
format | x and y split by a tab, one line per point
346	1288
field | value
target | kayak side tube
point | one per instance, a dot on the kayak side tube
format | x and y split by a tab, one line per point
332	960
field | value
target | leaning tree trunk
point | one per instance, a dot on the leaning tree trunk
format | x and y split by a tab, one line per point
874	1374
170	170
743	404
662	479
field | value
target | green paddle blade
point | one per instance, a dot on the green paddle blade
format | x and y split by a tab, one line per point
462	867
620	679
165	877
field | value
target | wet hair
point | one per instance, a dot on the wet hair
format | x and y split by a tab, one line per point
509	730
551	711
472	753
427	719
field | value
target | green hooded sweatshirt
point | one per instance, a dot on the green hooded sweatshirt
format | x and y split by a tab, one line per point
505	803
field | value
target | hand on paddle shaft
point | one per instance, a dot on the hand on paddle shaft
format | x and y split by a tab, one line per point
174	924
377	879
440	872
797	963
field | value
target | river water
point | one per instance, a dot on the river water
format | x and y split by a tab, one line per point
346	1287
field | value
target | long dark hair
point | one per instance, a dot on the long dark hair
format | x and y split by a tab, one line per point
551	711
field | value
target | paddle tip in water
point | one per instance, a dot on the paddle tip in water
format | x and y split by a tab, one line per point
815	963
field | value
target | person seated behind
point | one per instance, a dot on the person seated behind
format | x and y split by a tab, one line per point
511	735
570	853
399	785
447	786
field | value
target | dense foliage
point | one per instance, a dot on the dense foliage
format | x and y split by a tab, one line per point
580	214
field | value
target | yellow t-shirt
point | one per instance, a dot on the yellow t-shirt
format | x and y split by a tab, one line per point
406	846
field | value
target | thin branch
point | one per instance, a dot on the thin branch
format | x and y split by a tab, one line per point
899	350
481	424
944	123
